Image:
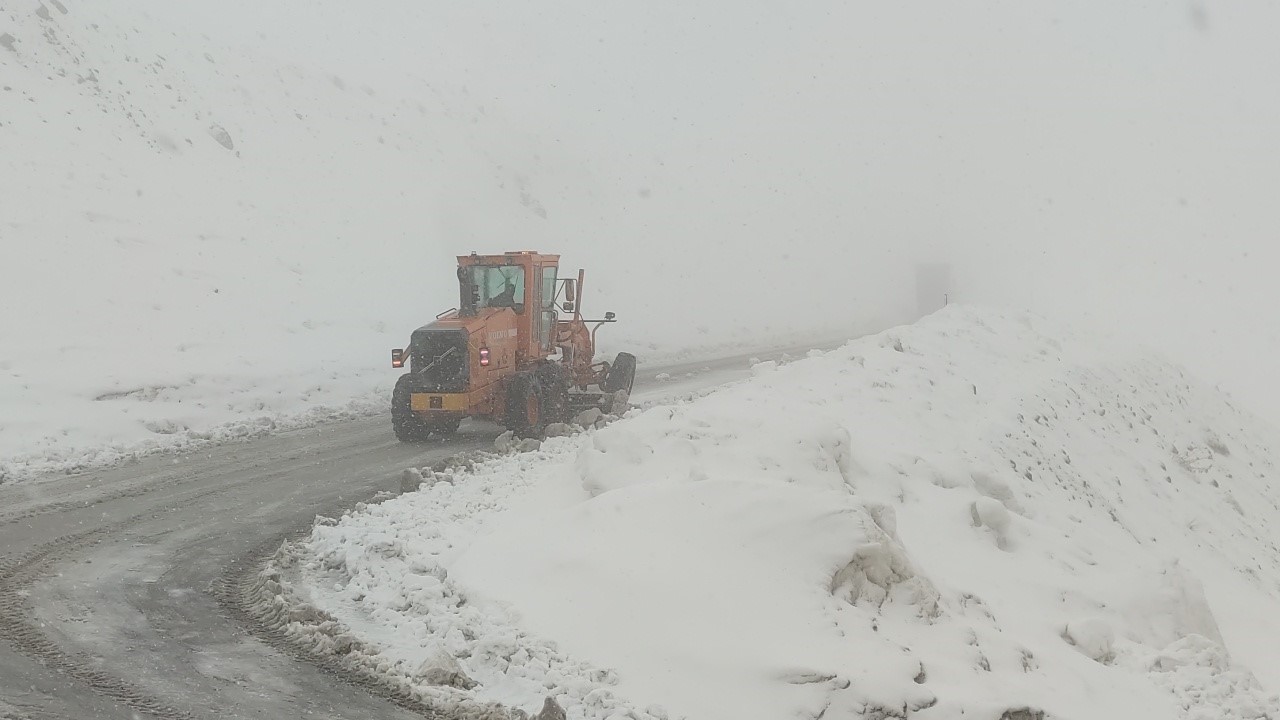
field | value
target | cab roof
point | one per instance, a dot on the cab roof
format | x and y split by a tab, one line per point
514	257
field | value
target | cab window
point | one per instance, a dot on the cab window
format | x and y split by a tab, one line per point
547	317
548	288
501	286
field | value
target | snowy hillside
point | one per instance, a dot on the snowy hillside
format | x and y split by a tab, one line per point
215	218
973	516
196	233
217	221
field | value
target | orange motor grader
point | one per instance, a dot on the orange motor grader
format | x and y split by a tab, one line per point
516	351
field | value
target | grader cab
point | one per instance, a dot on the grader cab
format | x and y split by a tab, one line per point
516	350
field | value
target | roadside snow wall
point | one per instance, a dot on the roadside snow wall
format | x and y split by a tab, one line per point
976	516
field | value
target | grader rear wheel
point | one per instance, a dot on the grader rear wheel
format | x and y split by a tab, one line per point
532	411
554	382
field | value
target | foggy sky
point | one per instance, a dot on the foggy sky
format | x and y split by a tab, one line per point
738	163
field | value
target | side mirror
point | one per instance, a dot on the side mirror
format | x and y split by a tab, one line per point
567	306
569	292
397	358
609	316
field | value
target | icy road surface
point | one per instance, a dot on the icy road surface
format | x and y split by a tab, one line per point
113	600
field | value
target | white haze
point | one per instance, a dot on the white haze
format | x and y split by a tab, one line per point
719	167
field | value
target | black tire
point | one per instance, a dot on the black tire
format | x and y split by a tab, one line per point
525	407
621	375
445	428
409	428
554	382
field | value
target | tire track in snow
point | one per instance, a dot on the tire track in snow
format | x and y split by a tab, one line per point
19	629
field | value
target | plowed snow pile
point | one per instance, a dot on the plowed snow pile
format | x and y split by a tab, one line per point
976	516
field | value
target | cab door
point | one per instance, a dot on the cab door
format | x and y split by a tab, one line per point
544	321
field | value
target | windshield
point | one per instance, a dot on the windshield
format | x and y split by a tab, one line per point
501	286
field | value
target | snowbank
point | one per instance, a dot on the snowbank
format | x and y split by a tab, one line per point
976	515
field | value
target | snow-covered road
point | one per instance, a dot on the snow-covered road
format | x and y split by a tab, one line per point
115	584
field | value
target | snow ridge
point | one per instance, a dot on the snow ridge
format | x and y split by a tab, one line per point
979	515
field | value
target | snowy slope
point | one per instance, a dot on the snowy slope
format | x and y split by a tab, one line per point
217	217
197	233
974	515
216	220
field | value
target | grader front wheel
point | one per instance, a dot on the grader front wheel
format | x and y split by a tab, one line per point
408	426
525	413
621	375
445	428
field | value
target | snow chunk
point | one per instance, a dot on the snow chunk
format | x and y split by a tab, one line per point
1092	636
991	513
440	668
559	430
1172	606
410	480
528	445
881	573
588	418
505	442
